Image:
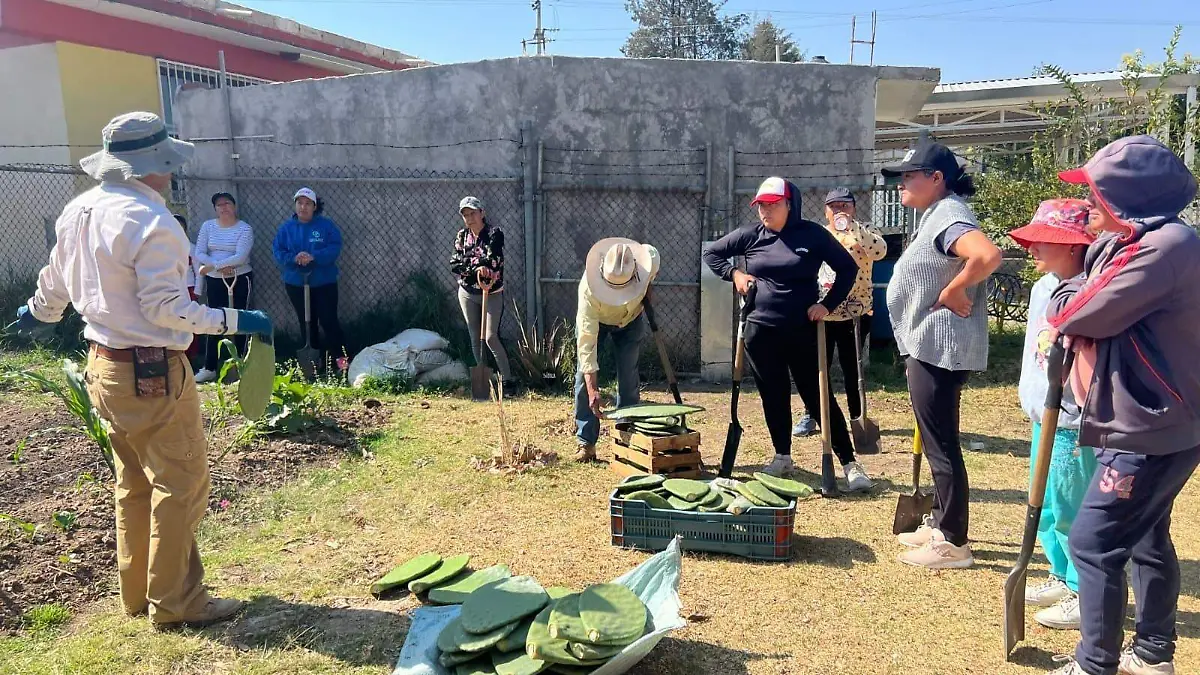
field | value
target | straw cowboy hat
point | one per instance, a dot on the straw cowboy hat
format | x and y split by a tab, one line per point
136	144
618	270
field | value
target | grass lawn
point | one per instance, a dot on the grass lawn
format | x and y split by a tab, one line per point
305	553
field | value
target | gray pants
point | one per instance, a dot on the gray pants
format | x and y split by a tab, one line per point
472	309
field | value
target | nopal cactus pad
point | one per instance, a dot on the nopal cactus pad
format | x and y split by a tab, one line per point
724	499
612	614
480	666
744	490
452	659
449	569
764	494
784	486
681	504
644	482
417	567
455	592
691	490
586	652
517	663
502	602
653	500
541	646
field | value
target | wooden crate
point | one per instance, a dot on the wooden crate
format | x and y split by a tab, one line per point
675	456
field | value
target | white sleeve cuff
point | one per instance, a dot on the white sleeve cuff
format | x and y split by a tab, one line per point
231	320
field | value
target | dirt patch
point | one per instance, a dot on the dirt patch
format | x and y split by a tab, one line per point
59	471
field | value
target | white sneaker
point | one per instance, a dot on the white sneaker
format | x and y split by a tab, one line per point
856	478
205	375
780	466
1047	594
939	554
1132	664
1071	667
922	536
1064	615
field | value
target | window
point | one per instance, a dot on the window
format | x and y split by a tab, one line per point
174	77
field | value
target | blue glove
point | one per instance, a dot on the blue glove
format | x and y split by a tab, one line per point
27	326
255	322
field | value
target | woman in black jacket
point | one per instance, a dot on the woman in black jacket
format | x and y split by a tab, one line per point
783	256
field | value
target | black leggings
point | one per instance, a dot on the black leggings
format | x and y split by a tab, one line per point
936	394
839	337
324	303
218	298
779	356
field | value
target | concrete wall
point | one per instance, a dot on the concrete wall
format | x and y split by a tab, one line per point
32	113
824	113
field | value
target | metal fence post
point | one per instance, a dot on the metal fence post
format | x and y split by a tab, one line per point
233	156
539	242
528	158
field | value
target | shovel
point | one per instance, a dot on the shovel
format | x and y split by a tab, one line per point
481	374
308	356
866	432
911	509
1058	364
829	486
733	437
672	383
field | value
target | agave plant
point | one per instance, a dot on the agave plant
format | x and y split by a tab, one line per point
542	359
75	397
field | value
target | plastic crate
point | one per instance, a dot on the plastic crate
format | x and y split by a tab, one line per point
760	533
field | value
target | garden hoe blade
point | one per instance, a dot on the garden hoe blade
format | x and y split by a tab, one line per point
1058	364
672	383
911	509
733	437
866	432
307	356
829	486
481	374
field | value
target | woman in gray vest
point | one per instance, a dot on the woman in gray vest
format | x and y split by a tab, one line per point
938	309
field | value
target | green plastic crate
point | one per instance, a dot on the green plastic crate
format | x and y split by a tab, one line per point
760	533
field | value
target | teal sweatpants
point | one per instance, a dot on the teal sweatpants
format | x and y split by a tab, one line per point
1071	469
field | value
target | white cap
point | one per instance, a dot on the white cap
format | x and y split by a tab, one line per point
772	190
305	192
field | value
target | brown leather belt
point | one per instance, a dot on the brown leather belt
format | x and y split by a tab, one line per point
123	355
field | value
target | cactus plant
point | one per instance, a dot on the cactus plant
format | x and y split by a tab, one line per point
744	491
502	602
681	504
644	482
541	646
455	592
612	614
691	490
784	487
655	501
565	623
712	498
764	494
415	568
724	499
449	569
517	663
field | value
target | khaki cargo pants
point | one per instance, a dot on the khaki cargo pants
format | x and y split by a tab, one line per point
161	458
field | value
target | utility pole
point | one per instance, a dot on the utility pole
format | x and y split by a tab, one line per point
539	34
854	37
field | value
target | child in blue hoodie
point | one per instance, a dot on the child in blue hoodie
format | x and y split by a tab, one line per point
307	247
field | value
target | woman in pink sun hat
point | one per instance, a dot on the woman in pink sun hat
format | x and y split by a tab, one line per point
1057	239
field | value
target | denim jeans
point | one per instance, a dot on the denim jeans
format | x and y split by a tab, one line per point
628	344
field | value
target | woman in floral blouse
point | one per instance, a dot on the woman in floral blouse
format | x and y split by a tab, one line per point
478	261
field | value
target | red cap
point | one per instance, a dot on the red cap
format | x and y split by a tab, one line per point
772	190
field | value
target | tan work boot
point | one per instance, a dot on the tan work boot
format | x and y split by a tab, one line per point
921	536
939	554
216	611
585	452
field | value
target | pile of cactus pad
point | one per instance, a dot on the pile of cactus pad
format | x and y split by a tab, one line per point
681	494
511	625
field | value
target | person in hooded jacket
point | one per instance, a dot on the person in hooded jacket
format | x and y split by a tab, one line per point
307	247
1132	323
784	253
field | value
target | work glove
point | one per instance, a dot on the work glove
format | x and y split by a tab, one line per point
255	322
28	326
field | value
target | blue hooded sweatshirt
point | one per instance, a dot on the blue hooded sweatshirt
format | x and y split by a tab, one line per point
320	238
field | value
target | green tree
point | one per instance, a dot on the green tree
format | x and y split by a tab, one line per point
759	44
683	29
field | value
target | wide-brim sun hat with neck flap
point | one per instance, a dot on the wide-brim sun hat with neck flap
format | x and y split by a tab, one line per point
1057	221
136	144
618	270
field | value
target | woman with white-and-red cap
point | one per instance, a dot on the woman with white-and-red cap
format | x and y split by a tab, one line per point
783	255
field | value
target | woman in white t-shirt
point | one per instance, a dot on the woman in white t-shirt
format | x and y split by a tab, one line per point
223	253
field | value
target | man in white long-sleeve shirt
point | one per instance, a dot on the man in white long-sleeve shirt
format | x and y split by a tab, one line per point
121	259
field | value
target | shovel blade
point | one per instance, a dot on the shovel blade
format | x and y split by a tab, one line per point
1014	608
866	435
733	438
481	383
911	511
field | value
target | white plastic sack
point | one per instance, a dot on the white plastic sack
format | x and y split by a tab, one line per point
655	581
382	360
451	373
430	359
419	340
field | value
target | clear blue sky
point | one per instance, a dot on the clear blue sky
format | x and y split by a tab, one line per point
967	39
